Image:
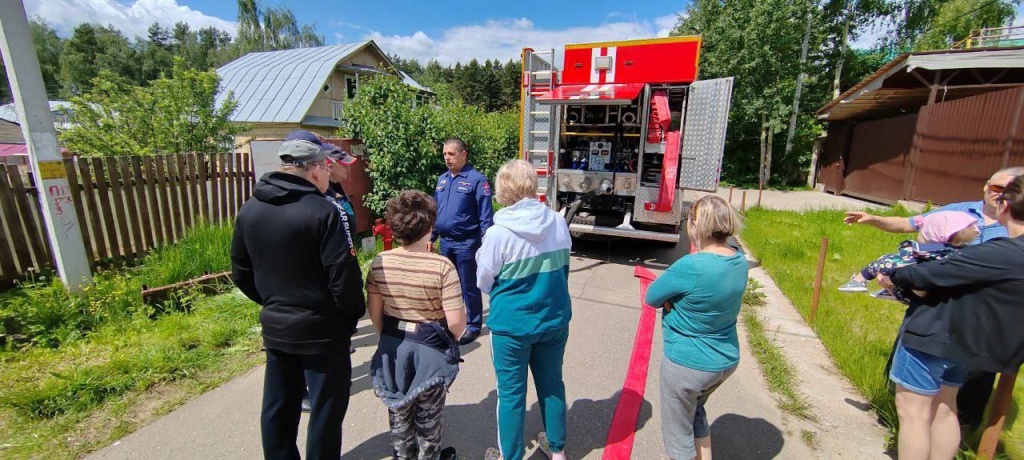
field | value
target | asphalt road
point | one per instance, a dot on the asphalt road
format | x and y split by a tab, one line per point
746	423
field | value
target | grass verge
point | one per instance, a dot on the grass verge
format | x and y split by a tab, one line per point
857	330
774	365
62	403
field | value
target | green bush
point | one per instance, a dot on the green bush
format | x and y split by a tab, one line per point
404	142
43	313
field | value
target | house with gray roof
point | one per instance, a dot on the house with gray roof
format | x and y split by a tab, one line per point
279	91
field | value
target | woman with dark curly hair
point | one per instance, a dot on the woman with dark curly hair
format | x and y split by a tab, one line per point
415	302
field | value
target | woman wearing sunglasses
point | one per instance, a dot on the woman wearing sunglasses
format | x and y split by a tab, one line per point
970	319
973	396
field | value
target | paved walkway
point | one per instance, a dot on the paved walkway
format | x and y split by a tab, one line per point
746	422
785	200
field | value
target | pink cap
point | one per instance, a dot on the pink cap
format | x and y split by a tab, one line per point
940	226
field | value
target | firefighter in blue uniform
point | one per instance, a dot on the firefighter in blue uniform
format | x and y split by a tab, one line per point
464	213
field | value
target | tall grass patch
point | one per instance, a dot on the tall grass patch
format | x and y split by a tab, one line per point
52	391
857	330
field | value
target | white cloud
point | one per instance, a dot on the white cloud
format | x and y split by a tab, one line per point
132	19
504	39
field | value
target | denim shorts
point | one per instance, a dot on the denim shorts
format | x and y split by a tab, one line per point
923	373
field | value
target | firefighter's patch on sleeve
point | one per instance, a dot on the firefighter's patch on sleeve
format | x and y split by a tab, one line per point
487	188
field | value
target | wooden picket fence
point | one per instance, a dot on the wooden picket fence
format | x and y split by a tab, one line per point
126	206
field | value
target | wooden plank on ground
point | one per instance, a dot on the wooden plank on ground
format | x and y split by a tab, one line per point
76	198
117	191
140	191
134	222
27	217
92	205
103	192
202	181
7	261
162	235
185	189
165	199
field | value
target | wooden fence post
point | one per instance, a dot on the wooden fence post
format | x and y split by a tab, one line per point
743	203
997	416
730	195
817	278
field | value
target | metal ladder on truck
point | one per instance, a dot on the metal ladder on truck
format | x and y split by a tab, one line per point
540	121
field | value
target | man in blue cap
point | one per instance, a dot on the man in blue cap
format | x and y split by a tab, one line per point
464	213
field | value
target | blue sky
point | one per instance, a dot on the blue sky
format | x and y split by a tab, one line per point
448	31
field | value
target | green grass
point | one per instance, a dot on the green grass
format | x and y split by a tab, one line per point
857	330
78	371
81	391
776	369
203	250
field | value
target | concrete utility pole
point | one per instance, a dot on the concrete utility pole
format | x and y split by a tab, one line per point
33	110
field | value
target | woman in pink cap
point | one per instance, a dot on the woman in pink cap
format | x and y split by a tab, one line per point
941	234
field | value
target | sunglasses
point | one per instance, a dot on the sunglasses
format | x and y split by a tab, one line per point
996	188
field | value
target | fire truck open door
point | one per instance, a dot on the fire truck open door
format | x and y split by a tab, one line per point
707	117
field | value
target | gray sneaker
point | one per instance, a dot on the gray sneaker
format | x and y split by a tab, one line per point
884	294
854	286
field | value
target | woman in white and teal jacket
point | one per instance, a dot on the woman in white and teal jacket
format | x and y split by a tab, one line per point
523	264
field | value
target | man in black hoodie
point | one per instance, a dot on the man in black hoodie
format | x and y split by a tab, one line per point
290	254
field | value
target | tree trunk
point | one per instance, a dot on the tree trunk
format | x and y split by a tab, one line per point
799	87
851	10
768	158
760	169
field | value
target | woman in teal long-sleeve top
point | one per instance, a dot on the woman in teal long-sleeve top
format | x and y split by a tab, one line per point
701	295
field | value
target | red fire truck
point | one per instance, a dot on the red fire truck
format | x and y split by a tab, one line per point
620	132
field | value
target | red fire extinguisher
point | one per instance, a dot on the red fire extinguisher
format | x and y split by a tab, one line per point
381	229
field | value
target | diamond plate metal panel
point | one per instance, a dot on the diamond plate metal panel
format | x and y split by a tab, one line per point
707	117
645	194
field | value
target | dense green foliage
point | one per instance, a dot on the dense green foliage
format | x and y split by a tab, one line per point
491	86
172	114
759	43
404	139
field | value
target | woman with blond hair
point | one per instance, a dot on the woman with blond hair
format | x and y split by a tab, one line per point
701	295
523	264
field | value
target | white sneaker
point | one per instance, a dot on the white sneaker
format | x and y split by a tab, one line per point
492	454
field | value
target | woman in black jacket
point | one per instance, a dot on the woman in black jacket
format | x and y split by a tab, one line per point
968	317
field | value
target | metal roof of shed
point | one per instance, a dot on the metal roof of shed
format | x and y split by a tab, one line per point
280	86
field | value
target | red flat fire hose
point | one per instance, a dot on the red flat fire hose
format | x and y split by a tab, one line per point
669	176
619	444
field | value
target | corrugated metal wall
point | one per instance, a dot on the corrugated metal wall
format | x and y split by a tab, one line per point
962	142
943	154
830	164
876	164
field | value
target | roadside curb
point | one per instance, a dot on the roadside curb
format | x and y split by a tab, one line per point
846	425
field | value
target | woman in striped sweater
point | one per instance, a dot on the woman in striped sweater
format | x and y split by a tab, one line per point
523	264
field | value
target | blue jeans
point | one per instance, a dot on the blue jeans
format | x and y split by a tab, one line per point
923	373
463	255
542	354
